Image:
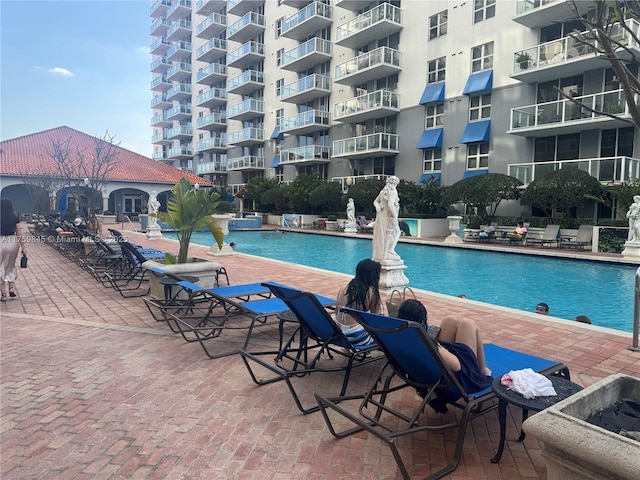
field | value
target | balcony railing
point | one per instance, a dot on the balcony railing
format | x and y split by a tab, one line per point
308	153
607	170
365	144
381	99
315	9
246	135
160	65
159	7
311	118
310	82
245	49
179	110
384	12
177	26
161	45
211	167
183	46
379	56
315	45
180	130
160	100
251	18
246	162
212	94
184	88
215	118
246	77
213	69
214	47
213	143
160	25
249	105
181	151
180	6
565	111
214	20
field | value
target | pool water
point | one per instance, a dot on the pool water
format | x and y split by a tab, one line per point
603	292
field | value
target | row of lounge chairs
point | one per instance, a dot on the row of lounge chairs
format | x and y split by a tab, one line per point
550	237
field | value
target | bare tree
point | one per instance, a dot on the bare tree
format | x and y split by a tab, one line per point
86	172
609	32
42	190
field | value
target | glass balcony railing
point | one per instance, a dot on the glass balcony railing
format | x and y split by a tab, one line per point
248	161
248	105
212	143
251	18
305	119
248	76
213	44
212	118
158	99
159	137
160	80
160	61
213	19
179	4
179	25
315	45
245	49
363	103
182	45
159	4
606	169
178	110
307	153
179	67
160	42
565	111
211	167
524	6
375	142
310	82
159	118
313	9
220	93
160	23
379	56
181	151
180	88
384	11
249	134
214	68
179	130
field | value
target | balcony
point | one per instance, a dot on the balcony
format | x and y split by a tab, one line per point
248	54
248	162
307	21
179	72
617	170
378	63
353	5
213	144
379	22
213	26
241	7
159	156
159	8
246	110
211	167
366	146
207	7
306	122
160	101
306	89
306	155
306	55
568	56
179	51
179	92
212	50
296	3
159	27
538	13
213	121
160	65
179	112
179	30
247	82
372	105
246	136
212	74
160	46
249	26
179	9
212	98
564	116
160	139
180	132
161	120
160	84
183	151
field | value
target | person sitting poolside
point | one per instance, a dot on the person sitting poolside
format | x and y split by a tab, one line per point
519	232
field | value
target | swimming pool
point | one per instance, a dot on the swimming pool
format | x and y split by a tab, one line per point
602	291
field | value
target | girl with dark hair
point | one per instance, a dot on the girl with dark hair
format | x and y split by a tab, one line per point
10	243
361	293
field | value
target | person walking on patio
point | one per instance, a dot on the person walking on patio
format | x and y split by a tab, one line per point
10	242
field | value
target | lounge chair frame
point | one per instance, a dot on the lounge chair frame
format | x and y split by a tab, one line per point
550	236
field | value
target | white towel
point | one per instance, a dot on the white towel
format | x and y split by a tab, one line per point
531	384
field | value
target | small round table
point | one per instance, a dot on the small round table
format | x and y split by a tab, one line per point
563	387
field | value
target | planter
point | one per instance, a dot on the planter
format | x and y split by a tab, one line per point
107	219
575	449
223	222
454	225
205	270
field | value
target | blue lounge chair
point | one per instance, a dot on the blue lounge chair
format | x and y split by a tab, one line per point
413	361
318	336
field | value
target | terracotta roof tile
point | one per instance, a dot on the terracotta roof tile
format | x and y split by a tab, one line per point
30	154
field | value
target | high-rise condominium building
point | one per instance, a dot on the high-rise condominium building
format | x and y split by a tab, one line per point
356	89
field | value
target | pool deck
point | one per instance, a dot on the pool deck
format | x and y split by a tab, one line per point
93	387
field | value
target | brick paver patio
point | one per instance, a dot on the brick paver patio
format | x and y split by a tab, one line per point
93	387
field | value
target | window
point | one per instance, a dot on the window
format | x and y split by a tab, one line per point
438	25
279	85
483	9
279	116
279	55
436	70
482	57
480	107
434	116
477	156
432	160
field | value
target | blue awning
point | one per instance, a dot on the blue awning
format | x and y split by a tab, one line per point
430	178
481	82
431	138
275	162
276	135
477	132
473	173
433	93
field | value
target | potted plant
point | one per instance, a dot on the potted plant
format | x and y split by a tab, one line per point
523	60
189	209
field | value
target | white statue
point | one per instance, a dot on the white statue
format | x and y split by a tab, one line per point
351	213
386	231
152	207
634	220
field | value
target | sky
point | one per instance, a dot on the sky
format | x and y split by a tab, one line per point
80	64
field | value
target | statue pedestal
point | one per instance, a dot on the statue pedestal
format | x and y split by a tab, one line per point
350	229
631	249
220	252
392	276
154	231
